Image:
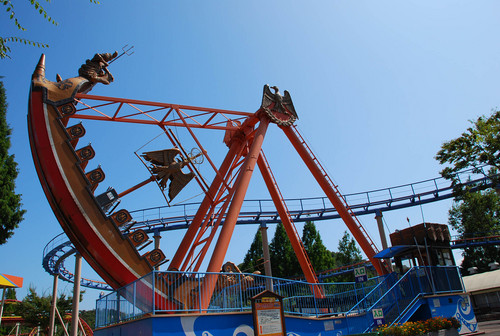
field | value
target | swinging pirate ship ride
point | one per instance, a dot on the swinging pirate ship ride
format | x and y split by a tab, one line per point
96	229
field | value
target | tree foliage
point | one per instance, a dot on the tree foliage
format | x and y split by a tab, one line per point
13	17
10	308
284	263
475	210
11	213
89	317
321	259
477	214
477	147
35	309
254	258
348	251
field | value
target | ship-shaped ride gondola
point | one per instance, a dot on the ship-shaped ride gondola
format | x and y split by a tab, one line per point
69	187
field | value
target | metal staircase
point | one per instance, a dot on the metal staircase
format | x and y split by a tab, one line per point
400	299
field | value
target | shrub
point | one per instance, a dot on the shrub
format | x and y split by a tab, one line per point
419	327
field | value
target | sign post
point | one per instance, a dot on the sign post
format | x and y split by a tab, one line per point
378	316
360	274
268	316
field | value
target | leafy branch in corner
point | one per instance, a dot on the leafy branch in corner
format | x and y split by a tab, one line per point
9	8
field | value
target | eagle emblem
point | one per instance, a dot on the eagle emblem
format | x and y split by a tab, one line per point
167	168
277	107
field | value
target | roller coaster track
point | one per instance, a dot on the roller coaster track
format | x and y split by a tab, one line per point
164	218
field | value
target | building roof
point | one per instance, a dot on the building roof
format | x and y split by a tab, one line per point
482	282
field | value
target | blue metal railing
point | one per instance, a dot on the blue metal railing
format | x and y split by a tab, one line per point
178	292
176	217
395	302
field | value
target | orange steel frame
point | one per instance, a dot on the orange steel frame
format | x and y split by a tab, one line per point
223	200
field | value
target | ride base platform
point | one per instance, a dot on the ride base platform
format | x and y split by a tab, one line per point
344	309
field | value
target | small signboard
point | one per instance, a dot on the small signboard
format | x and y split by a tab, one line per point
10	281
378	316
360	274
268	316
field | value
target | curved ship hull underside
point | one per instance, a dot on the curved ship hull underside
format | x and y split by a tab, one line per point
70	189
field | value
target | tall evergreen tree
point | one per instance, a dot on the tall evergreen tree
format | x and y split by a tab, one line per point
321	259
11	213
284	263
254	258
348	252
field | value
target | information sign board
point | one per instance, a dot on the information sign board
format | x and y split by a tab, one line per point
268	316
378	316
360	274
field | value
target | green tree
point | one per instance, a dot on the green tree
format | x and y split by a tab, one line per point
284	263
254	258
321	259
475	209
10	294
348	251
11	12
477	214
35	309
348	254
89	317
11	213
477	147
9	309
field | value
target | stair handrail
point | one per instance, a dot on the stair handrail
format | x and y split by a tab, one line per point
369	324
390	276
406	276
415	299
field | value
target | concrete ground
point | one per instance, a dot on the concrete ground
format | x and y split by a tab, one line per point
490	328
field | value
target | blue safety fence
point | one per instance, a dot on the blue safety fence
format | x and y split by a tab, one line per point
399	298
179	292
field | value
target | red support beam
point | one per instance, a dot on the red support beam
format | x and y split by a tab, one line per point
134	111
320	175
207	202
240	189
298	247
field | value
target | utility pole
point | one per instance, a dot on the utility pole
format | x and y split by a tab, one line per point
267	258
76	294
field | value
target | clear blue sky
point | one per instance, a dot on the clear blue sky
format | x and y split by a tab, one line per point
378	86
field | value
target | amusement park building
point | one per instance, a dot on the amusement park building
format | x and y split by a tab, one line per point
484	290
